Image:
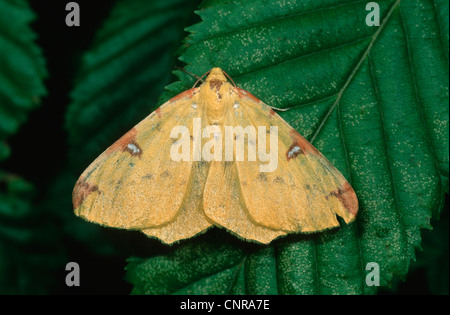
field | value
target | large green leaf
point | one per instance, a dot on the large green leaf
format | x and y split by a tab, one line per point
374	100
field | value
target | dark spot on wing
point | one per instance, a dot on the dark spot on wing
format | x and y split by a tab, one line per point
119	184
165	174
293	151
279	180
262	177
126	143
347	197
134	149
227	164
303	144
81	191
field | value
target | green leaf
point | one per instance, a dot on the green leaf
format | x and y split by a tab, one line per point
374	100
22	68
124	72
205	267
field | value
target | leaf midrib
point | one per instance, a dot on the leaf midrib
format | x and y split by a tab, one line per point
356	69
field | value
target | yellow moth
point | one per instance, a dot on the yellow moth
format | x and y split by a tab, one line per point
214	155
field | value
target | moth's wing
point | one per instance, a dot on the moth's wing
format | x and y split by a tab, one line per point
135	183
191	219
224	205
304	192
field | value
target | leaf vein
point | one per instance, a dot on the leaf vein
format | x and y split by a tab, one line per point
350	179
443	41
389	156
417	97
357	67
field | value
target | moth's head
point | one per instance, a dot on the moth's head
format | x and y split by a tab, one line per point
218	95
216	74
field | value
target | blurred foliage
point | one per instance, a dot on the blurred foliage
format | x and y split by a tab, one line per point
26	259
22	68
374	100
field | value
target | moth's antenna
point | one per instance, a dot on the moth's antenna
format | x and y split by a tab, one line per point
229	78
275	108
191	74
187	72
201	78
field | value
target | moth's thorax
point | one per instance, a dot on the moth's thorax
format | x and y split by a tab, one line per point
218	95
